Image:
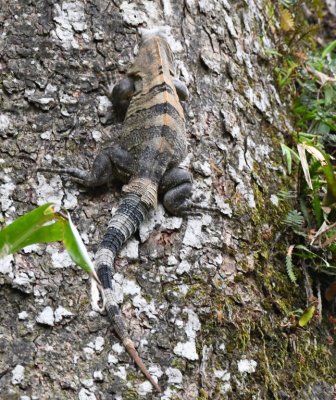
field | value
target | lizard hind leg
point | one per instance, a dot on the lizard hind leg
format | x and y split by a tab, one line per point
176	186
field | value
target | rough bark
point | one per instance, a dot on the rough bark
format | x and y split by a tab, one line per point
207	298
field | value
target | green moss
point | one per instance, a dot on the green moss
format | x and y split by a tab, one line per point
130	394
178	363
203	395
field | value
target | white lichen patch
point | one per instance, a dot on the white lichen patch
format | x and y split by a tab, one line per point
70	200
145	388
131	14
23	315
95	346
59	259
188	349
130	250
144	307
193	233
193	324
121	373
99	344
6	265
22	281
70	18
46	317
274	200
174	375
6	191
117	348
224	375
112	359
131	287
246	366
17	375
230	25
49	190
98	376
223	206
4	122
31	249
86	394
155	218
104	105
117	287
203	167
61	313
167	8
171	223
172	260
88	383
183	267
97	136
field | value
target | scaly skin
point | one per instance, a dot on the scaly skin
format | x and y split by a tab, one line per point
146	157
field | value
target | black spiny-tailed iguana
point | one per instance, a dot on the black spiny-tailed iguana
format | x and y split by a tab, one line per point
146	157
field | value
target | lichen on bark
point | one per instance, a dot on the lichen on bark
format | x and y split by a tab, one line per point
207	299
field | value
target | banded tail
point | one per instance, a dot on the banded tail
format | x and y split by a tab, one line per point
140	197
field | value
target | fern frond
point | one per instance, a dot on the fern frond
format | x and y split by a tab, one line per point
286	20
294	220
286	194
288	3
289	264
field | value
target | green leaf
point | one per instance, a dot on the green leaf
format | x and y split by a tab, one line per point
307	316
328	94
37	226
286	152
316	204
304	164
76	248
331	46
46	224
312	255
290	155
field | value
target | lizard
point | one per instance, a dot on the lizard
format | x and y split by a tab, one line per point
146	158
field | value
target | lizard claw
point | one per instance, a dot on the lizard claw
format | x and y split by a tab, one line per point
107	84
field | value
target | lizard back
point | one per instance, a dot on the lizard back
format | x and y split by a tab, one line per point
154	127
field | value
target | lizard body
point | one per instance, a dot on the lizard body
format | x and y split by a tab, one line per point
146	158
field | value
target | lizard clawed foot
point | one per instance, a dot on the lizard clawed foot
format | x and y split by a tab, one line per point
189	208
106	85
77	175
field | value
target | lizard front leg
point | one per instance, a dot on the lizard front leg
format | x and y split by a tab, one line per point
181	89
176	187
120	94
112	162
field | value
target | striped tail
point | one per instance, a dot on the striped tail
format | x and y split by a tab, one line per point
132	210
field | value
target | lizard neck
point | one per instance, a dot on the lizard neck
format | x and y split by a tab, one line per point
155	59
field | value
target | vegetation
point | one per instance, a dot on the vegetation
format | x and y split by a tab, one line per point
45	224
309	77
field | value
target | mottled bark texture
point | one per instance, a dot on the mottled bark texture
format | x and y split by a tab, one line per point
207	298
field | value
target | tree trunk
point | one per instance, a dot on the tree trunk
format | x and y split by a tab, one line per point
207	298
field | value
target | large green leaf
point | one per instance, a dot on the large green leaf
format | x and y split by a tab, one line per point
76	248
37	226
46	224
